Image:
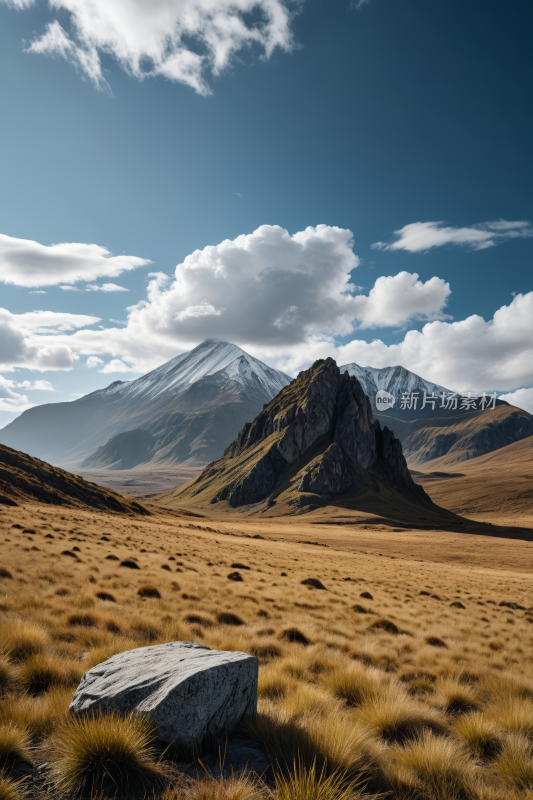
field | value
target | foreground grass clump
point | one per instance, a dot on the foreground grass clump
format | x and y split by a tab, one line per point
311	784
438	768
10	789
14	745
515	764
242	787
104	752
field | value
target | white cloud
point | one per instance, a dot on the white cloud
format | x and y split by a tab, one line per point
38	291
41	386
18	345
93	287
94	361
10	400
116	365
522	398
471	354
421	236
27	263
181	40
395	299
264	289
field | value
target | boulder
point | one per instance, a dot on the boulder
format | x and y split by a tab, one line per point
188	690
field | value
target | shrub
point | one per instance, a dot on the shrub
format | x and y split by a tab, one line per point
366	595
149	591
227	618
83	620
239	566
386	625
314	583
104	752
129	564
10	789
14	745
5	573
294	636
198	619
434	641
106	597
235	576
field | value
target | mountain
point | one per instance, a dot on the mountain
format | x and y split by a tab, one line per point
24	479
315	442
397	381
185	411
491	487
449	437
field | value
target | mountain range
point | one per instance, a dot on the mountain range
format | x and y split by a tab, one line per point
185	411
188	410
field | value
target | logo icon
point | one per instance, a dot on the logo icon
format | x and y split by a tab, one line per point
384	400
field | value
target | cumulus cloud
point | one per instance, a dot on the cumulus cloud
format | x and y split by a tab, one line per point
182	40
471	354
10	400
266	289
522	398
24	262
94	361
18	345
116	365
422	236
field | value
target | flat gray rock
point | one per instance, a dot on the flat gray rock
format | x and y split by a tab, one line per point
188	690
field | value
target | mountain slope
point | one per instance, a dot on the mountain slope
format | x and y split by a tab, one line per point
25	479
447	438
496	486
396	381
316	441
192	406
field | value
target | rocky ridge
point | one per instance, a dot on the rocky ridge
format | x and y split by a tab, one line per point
317	436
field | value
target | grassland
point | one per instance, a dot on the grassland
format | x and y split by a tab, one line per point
408	676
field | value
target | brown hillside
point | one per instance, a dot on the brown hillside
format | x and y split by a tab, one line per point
498	484
460	435
25	479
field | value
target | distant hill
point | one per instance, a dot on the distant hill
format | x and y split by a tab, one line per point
185	411
25	479
497	486
448	437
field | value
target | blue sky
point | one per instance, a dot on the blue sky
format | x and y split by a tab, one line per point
367	119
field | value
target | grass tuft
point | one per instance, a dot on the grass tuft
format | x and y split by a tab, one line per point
22	639
104	752
11	789
227	618
149	592
312	784
515	764
14	745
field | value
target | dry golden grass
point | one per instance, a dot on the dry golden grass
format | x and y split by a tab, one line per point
359	707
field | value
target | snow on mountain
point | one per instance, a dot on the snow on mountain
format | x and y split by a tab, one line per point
395	380
209	358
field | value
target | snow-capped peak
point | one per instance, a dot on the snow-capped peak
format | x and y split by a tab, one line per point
208	358
395	380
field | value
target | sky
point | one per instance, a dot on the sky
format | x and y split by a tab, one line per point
304	179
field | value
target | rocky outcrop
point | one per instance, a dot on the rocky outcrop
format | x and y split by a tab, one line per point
188	690
321	426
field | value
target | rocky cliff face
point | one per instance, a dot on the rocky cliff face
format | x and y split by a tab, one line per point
320	430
